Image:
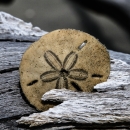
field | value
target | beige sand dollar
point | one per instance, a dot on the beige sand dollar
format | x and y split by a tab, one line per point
63	58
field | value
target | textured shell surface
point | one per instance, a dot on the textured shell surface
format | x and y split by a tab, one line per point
64	58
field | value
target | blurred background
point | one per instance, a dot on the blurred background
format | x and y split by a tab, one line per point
107	20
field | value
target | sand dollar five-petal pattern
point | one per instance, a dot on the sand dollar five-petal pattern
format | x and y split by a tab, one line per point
64	58
62	71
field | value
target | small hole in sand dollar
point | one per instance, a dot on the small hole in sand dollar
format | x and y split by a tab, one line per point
82	45
32	82
97	76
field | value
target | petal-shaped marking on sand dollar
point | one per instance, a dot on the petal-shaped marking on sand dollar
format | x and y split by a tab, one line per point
70	60
78	74
53	60
62	82
49	76
32	82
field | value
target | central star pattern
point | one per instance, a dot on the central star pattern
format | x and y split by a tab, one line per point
62	71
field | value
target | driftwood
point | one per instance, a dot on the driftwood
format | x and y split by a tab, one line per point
108	107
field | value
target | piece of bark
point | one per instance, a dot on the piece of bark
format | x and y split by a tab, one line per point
83	108
111	104
15	26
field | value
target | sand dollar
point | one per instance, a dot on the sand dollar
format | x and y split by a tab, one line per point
63	58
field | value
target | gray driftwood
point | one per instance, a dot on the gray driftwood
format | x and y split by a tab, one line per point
109	107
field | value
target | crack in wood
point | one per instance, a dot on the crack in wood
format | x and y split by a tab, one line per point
15	40
77	126
12	118
8	70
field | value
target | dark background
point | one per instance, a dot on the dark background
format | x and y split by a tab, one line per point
107	20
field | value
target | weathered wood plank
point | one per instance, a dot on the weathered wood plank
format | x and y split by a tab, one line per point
84	108
11	102
11	53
